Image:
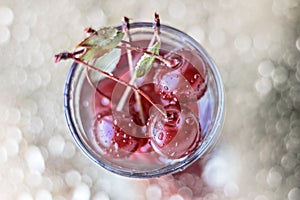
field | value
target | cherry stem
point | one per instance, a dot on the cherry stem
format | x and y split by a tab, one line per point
106	74
125	27
157	56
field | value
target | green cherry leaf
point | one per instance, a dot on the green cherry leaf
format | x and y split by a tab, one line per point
106	63
100	43
145	63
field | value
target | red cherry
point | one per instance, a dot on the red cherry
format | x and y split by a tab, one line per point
187	80
161	98
176	135
112	141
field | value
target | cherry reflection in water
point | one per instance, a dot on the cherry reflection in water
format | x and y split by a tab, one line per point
213	177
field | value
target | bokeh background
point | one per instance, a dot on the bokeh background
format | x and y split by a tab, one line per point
256	45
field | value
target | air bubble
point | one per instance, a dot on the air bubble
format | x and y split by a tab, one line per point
104	101
190	120
115	121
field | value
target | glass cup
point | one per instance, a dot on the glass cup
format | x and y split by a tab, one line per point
151	160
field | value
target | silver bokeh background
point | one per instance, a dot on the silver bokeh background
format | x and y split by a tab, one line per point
256	45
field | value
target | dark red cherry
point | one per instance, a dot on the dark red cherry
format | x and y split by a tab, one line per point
112	141
175	135
187	80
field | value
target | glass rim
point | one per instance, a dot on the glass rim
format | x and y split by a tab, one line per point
215	131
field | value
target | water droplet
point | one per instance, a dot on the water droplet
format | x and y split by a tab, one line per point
161	136
189	120
115	121
196	76
104	101
166	87
6	16
172	102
